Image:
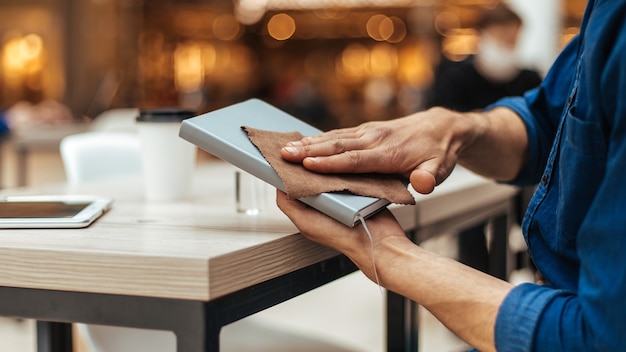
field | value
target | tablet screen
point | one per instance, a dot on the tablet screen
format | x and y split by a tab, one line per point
43	209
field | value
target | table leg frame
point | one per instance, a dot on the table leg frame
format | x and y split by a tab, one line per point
197	324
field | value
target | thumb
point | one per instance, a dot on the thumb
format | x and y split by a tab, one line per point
423	178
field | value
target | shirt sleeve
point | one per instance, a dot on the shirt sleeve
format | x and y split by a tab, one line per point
541	109
519	316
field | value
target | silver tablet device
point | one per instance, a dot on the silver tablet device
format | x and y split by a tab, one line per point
51	211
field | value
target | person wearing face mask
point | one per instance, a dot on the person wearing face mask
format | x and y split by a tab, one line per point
492	73
474	83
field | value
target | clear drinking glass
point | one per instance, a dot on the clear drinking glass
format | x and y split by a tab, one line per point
251	193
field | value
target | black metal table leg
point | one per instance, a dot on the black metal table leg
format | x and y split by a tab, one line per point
402	324
499	251
402	320
54	337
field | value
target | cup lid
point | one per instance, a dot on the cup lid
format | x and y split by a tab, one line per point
168	114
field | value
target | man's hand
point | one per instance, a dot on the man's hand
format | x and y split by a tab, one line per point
351	241
422	146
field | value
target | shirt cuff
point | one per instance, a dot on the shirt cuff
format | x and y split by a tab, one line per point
519	315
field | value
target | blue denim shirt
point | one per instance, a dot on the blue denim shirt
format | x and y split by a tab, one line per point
575	225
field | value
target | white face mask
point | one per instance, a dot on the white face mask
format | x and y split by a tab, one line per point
495	61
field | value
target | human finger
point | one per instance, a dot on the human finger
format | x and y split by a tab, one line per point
344	133
325	230
422	181
312	223
429	174
297	151
353	161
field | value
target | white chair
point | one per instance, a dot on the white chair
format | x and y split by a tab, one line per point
100	338
116	120
91	156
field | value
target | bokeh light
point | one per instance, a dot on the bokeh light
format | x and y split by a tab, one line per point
188	67
281	26
226	27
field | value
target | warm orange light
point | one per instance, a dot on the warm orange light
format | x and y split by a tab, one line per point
414	67
12	61
23	61
459	45
209	58
399	30
251	11
281	26
188	67
30	47
382	28
567	34
226	27
383	59
447	21
354	62
379	27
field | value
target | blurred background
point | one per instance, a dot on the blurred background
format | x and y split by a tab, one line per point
330	62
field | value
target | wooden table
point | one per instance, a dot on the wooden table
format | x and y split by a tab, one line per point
192	266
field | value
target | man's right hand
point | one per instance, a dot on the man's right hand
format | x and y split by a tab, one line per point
423	147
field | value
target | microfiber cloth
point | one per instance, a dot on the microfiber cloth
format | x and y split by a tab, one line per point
300	182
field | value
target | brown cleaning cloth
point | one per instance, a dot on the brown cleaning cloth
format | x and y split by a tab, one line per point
300	182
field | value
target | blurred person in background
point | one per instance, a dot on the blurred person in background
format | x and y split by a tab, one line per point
492	73
474	83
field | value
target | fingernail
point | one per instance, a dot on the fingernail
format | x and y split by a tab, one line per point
312	159
295	144
291	150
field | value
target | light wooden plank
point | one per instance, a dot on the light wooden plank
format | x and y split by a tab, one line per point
199	248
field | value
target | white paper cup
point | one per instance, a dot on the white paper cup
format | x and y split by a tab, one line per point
168	160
